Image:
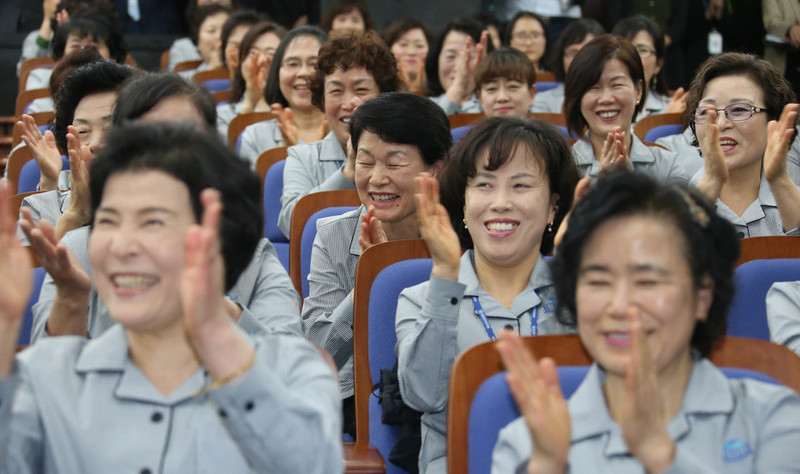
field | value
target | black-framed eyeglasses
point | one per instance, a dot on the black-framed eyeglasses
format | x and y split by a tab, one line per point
733	112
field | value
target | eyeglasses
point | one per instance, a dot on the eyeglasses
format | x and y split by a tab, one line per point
733	112
645	51
523	36
295	64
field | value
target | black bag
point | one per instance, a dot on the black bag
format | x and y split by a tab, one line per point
405	452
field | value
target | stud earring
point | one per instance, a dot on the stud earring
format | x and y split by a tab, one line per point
464	220
550	227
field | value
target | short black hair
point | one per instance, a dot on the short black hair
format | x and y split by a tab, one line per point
94	78
238	84
200	161
513	22
710	245
574	33
272	89
407	119
507	63
203	12
88	24
397	28
630	27
469	26
345	6
141	93
499	137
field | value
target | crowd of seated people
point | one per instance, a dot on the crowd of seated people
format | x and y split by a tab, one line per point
545	212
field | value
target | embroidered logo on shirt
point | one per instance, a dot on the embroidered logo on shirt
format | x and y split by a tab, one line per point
550	306
735	451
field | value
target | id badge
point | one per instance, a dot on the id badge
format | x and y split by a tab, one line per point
714	42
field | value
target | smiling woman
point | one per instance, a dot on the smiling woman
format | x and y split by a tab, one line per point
175	221
505	188
396	137
605	91
646	273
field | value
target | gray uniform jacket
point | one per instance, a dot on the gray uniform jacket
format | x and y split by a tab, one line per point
30	49
310	168
263	287
471	106
49	205
225	113
260	137
783	314
656	162
761	218
327	310
436	321
550	102
730	426
181	50
83	406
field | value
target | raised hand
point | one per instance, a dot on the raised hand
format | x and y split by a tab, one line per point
44	150
642	415
715	170
286	124
416	79
372	232
538	394
77	212
678	102
436	229
779	139
614	152
581	190
15	266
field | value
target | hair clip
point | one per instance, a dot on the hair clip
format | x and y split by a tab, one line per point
699	215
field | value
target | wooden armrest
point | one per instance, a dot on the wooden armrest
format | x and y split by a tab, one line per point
362	458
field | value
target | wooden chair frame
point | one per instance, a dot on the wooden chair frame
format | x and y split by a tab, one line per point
545	76
242	121
306	207
188	65
645	124
555	119
267	159
16	160
461	120
29	65
210	74
775	246
24	98
478	363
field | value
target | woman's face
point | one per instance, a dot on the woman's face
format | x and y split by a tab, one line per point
612	101
528	37
232	47
454	43
743	143
92	117
638	263
263	48
385	175
77	43
506	210
644	44
136	248
411	48
297	68
506	96
346	23
209	41
571	50
345	91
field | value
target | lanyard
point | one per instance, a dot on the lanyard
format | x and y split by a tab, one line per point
481	314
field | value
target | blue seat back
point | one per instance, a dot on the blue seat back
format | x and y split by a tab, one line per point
493	407
459	132
307	241
24	337
216	85
662	131
273	188
546	86
383	296
747	316
30	175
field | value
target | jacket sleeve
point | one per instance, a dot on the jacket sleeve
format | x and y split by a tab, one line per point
427	328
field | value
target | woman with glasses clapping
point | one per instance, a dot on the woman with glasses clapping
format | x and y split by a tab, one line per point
743	117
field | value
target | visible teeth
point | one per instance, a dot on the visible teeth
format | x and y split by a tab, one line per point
619	335
608	114
346	120
727	142
501	226
384	197
133	281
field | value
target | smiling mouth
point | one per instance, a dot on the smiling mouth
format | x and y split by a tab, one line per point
606	115
133	281
727	144
501	226
383	198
